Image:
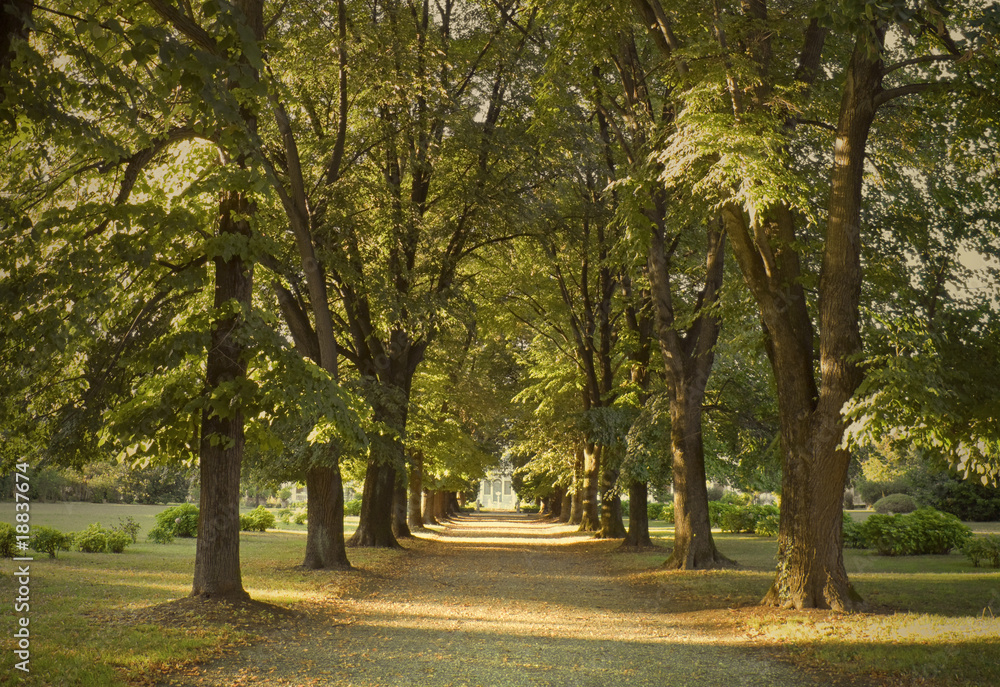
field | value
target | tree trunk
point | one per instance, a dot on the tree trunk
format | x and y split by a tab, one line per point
414	516
590	520
566	509
375	523
556	502
612	526
638	517
15	16
694	547
217	552
400	530
811	571
440	506
325	547
428	515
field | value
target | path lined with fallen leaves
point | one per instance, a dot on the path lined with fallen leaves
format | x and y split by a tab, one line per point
499	600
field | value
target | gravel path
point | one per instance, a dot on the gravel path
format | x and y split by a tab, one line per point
500	601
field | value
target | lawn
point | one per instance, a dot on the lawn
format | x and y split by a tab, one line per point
81	603
932	620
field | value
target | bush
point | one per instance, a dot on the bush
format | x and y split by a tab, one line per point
8	540
180	521
93	539
352	507
982	549
855	536
745	518
667	512
301	517
716	492
925	531
966	500
715	511
767	524
257	520
129	527
736	499
161	535
654	511
49	540
118	541
284	515
895	503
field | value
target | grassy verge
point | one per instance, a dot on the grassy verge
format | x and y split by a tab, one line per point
83	630
934	620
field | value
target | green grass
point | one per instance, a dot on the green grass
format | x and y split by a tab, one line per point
80	603
936	619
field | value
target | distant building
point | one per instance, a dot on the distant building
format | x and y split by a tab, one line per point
496	492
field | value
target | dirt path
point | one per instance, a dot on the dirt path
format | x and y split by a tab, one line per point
500	601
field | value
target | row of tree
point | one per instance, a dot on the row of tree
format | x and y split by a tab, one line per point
307	237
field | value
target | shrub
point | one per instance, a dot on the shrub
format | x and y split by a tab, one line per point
301	517
855	536
716	492
982	549
180	521
118	541
257	520
161	535
654	511
93	539
895	503
767	524
966	500
667	512
49	540
129	527
715	511
284	515
736	499
8	540
352	507
745	518
925	531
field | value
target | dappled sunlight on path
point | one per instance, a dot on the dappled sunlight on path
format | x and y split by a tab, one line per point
502	600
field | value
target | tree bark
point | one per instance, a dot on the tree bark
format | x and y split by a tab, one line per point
414	516
612	526
637	536
428	508
566	508
325	546
811	571
400	529
688	360
590	520
14	18
576	510
375	523
556	502
217	552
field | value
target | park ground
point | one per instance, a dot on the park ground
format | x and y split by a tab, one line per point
494	599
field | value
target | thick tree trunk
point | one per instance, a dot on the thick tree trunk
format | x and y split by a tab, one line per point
440	505
15	16
414	516
566	509
375	523
811	571
590	520
217	552
428	515
612	526
576	510
400	499
637	536
556	502
694	547
325	546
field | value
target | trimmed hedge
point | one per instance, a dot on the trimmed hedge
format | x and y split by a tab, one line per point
736	518
895	503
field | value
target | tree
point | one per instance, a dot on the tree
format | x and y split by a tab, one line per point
764	208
